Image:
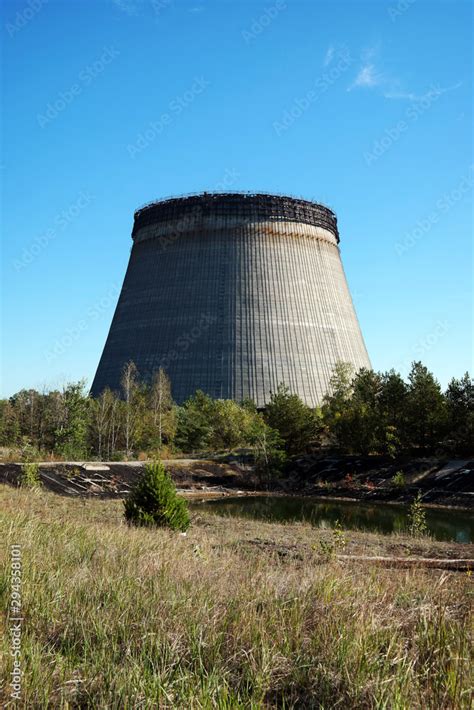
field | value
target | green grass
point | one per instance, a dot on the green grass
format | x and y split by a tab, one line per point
118	617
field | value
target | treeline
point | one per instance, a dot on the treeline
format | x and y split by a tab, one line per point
373	412
365	412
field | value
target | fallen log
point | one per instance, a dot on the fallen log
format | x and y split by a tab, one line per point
462	565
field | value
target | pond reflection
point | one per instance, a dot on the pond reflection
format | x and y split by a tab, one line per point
443	524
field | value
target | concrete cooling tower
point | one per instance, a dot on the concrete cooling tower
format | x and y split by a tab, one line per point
233	294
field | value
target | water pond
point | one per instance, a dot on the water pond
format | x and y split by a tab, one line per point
443	524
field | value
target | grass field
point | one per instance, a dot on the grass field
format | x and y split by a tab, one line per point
236	614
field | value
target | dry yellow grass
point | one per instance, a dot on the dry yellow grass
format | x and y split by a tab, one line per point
236	614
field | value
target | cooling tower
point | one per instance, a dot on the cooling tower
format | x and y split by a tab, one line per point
233	294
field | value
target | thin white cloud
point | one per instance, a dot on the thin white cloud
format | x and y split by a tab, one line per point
370	77
367	78
369	53
403	95
410	96
329	56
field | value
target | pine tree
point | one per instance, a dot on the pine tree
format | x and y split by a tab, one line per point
154	501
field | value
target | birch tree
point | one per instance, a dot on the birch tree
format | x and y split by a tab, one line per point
129	384
161	401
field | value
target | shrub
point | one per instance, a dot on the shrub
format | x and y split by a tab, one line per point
30	477
29	452
337	543
399	480
417	516
154	501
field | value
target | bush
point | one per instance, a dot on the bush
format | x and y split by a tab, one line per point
30	477
399	480
154	501
330	548
417	516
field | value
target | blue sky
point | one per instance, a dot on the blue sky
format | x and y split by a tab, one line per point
365	106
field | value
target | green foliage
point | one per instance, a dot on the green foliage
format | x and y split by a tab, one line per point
230	425
460	414
268	447
72	433
222	424
417	517
350	411
297	424
162	410
390	444
426	409
364	413
194	430
10	430
154	501
30	477
330	548
380	413
392	405
399	480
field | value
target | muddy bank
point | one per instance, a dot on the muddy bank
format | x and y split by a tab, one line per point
380	479
371	478
114	479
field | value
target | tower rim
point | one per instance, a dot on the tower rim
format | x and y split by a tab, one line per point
253	205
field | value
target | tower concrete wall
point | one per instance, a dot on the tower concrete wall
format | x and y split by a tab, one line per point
233	294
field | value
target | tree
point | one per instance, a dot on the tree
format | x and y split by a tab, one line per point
297	424
54	417
101	409
363	412
340	385
230	424
268	448
162	406
154	501
194	430
71	435
115	424
336	404
26	406
426	410
460	413
393	412
129	384
9	424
